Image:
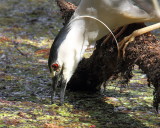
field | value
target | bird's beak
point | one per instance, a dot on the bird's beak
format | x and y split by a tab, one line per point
56	78
53	73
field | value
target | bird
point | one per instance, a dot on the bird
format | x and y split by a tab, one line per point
92	20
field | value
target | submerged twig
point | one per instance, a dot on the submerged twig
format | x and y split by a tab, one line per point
16	47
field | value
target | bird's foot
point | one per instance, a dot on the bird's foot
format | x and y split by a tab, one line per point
124	43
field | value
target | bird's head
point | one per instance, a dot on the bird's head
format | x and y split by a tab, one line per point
61	61
56	73
55	66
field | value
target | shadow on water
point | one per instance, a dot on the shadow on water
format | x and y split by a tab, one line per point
103	113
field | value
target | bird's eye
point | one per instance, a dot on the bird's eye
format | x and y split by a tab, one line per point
55	67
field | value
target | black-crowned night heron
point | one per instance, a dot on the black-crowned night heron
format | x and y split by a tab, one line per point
92	20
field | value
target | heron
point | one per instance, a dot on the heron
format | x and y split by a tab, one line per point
92	20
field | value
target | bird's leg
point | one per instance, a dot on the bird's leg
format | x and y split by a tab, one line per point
124	43
53	89
52	96
110	35
63	89
104	84
115	31
121	31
